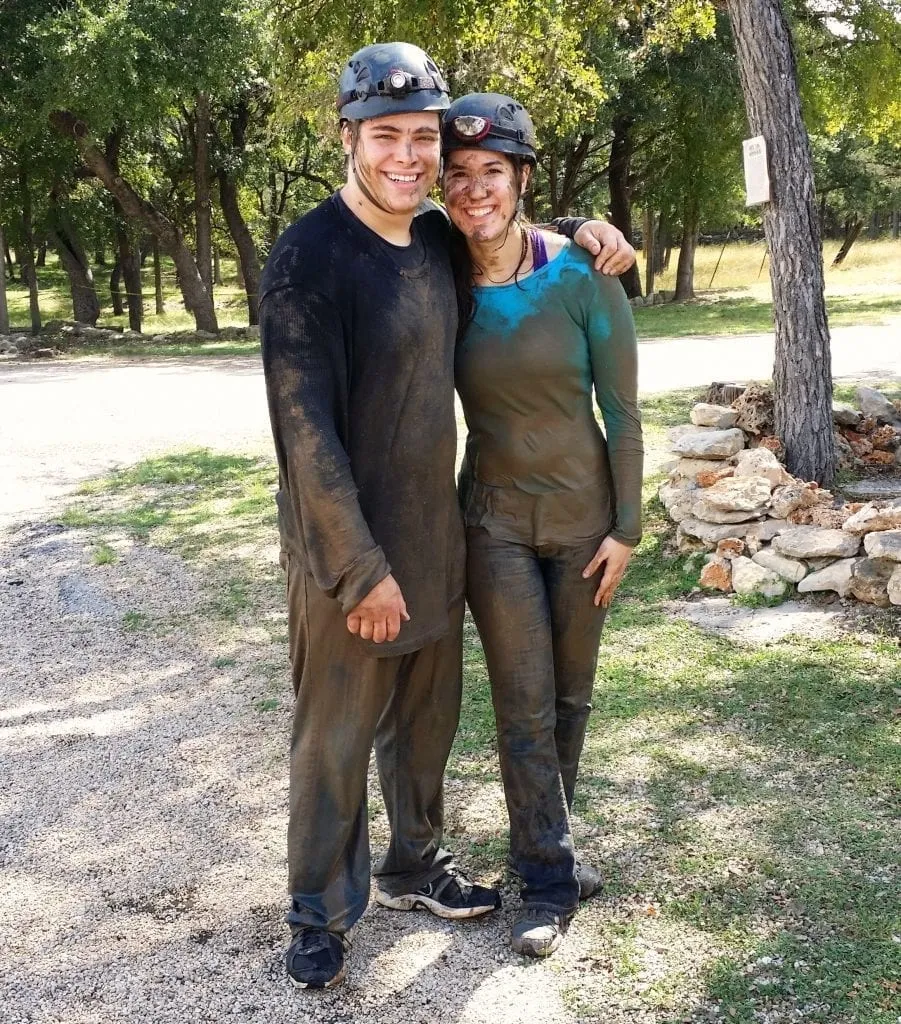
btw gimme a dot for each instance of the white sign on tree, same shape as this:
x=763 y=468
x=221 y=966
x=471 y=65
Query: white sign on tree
x=757 y=172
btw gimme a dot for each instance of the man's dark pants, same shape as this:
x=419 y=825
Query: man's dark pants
x=347 y=700
x=540 y=631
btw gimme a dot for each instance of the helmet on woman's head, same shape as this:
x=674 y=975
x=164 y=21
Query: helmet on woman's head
x=488 y=120
x=390 y=78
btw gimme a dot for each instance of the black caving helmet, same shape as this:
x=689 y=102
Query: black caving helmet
x=390 y=78
x=488 y=120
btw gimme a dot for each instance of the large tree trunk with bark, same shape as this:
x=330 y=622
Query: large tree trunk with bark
x=685 y=269
x=26 y=257
x=802 y=375
x=198 y=298
x=248 y=258
x=618 y=177
x=202 y=204
x=72 y=255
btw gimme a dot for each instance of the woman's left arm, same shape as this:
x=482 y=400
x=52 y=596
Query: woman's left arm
x=614 y=363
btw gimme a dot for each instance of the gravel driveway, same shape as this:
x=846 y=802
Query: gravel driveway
x=143 y=791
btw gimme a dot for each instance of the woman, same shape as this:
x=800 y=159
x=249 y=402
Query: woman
x=547 y=500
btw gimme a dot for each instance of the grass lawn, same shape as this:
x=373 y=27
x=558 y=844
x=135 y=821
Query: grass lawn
x=865 y=290
x=741 y=800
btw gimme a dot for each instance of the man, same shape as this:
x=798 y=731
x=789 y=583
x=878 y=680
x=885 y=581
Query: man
x=358 y=316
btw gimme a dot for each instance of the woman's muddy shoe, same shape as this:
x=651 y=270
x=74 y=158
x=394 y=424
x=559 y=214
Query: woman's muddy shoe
x=537 y=931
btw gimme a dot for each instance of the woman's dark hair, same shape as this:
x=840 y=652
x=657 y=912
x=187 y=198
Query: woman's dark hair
x=463 y=264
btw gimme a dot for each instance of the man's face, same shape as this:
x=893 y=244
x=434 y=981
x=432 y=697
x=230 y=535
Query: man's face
x=396 y=157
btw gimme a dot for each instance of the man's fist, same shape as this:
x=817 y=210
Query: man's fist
x=379 y=615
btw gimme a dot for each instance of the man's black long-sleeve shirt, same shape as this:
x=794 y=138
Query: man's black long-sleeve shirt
x=358 y=352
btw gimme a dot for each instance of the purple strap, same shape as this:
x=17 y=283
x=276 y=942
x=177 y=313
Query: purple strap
x=539 y=249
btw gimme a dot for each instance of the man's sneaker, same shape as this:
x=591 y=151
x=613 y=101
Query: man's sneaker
x=450 y=895
x=589 y=880
x=315 y=958
x=537 y=931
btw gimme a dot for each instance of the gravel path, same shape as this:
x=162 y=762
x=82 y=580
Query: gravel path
x=144 y=769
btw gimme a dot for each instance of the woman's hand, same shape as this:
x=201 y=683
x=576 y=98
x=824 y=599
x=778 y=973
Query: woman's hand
x=614 y=556
x=613 y=254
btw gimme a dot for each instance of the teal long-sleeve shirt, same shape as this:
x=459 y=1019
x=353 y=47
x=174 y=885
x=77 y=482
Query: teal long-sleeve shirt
x=538 y=468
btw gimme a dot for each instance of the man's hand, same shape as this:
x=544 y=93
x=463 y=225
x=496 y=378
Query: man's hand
x=614 y=556
x=379 y=615
x=613 y=253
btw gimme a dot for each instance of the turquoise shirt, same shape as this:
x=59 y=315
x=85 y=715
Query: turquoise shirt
x=538 y=468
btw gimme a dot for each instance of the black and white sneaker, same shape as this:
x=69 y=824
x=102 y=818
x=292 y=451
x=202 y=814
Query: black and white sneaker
x=315 y=958
x=450 y=895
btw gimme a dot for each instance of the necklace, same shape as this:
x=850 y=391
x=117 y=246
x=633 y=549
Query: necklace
x=523 y=252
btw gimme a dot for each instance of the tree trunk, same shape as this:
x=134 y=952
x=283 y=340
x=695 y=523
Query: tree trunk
x=26 y=257
x=248 y=259
x=100 y=255
x=72 y=255
x=157 y=276
x=618 y=176
x=802 y=375
x=661 y=243
x=685 y=269
x=896 y=225
x=853 y=227
x=115 y=287
x=4 y=307
x=42 y=255
x=130 y=263
x=217 y=268
x=202 y=205
x=649 y=249
x=198 y=298
x=273 y=229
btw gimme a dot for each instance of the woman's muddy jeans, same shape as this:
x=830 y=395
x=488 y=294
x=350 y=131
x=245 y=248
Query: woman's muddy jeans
x=541 y=631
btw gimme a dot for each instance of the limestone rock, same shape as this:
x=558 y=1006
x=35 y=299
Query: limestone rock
x=814 y=542
x=828 y=518
x=677 y=499
x=738 y=494
x=750 y=578
x=702 y=509
x=688 y=469
x=883 y=544
x=676 y=434
x=712 y=533
x=846 y=415
x=869 y=580
x=815 y=564
x=771 y=443
x=894 y=586
x=711 y=476
x=711 y=444
x=836 y=576
x=788 y=568
x=717 y=575
x=253 y=332
x=686 y=544
x=730 y=547
x=204 y=336
x=875 y=404
x=761 y=462
x=719 y=416
x=875 y=516
x=755 y=409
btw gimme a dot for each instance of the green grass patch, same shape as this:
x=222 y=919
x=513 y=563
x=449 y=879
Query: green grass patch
x=135 y=620
x=104 y=555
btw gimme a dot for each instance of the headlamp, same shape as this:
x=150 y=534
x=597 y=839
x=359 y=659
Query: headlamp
x=470 y=128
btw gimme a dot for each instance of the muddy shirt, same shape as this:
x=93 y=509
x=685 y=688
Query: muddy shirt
x=358 y=347
x=538 y=468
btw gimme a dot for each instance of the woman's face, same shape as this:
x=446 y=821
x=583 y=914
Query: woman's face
x=480 y=192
